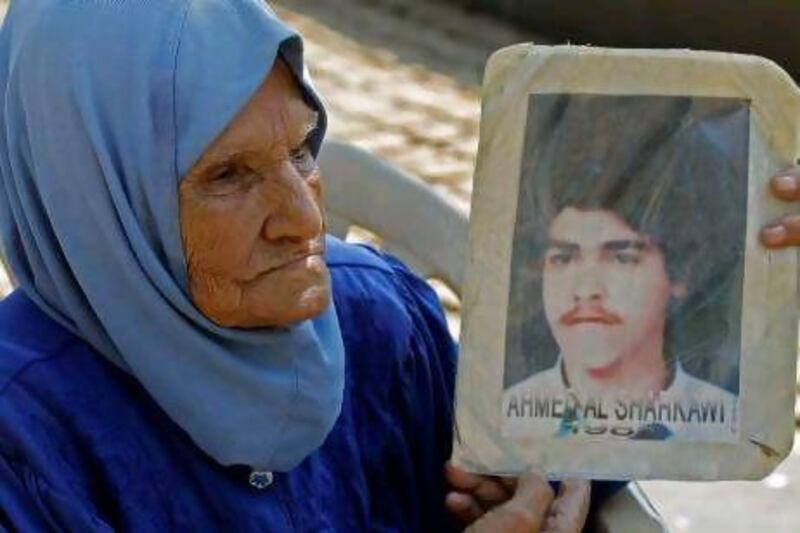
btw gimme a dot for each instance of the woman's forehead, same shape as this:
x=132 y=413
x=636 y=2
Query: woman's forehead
x=276 y=115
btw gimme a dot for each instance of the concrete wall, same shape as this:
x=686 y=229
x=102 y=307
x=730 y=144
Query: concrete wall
x=765 y=27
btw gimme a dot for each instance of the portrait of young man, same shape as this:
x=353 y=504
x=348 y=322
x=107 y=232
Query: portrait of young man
x=626 y=272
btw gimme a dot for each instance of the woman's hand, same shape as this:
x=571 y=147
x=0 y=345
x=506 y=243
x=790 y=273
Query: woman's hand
x=786 y=231
x=473 y=494
x=494 y=504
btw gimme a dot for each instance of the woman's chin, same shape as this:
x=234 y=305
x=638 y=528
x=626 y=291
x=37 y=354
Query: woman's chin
x=288 y=309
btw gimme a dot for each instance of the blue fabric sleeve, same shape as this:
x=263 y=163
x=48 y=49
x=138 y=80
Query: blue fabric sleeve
x=18 y=511
x=427 y=392
x=29 y=503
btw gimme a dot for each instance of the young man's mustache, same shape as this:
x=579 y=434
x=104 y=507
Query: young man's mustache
x=593 y=315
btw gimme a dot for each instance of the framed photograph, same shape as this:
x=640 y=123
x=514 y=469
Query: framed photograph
x=620 y=318
x=625 y=293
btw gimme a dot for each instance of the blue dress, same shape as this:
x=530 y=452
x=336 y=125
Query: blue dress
x=83 y=447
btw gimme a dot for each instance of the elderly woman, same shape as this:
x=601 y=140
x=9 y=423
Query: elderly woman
x=186 y=349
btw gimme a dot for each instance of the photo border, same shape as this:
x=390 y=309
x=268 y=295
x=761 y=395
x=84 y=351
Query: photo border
x=770 y=286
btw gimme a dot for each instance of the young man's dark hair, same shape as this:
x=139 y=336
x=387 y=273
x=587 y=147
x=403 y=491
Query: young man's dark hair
x=674 y=169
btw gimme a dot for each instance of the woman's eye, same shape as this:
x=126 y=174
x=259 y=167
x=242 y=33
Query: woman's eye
x=224 y=175
x=229 y=180
x=303 y=160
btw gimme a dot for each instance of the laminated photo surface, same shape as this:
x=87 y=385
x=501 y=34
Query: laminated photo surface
x=620 y=318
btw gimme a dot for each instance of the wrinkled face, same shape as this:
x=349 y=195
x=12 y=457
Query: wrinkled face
x=251 y=215
x=605 y=290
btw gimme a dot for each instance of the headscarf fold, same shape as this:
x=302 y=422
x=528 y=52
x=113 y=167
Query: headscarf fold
x=105 y=106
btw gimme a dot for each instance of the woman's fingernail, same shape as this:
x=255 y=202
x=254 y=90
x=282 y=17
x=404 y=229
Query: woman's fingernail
x=785 y=184
x=774 y=234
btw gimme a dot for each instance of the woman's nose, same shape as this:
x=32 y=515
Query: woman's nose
x=298 y=213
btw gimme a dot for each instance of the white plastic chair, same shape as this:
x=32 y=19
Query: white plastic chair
x=429 y=234
x=413 y=221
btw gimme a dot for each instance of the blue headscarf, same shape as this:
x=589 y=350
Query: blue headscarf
x=105 y=106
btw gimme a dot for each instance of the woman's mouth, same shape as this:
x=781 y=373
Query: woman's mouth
x=298 y=261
